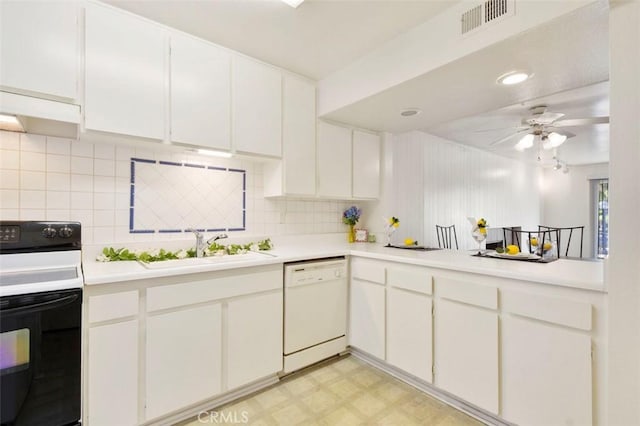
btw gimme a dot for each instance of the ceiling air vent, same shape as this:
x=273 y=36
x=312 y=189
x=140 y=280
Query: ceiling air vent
x=494 y=9
x=472 y=19
x=485 y=13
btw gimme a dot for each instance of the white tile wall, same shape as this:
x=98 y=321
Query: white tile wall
x=49 y=178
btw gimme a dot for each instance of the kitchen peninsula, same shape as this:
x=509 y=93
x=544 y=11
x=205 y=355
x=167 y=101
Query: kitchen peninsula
x=503 y=340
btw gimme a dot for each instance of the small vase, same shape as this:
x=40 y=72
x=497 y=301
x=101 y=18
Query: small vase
x=351 y=236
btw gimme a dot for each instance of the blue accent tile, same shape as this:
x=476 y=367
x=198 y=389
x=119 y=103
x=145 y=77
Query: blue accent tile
x=216 y=230
x=237 y=170
x=170 y=163
x=143 y=160
x=169 y=231
x=142 y=231
x=235 y=229
x=197 y=166
x=133 y=171
x=133 y=192
x=131 y=219
x=244 y=182
x=244 y=218
x=217 y=168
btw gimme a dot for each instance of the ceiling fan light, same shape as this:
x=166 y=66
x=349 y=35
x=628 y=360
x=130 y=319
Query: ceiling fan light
x=556 y=139
x=526 y=142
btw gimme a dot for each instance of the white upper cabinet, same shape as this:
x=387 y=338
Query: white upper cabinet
x=39 y=45
x=334 y=161
x=296 y=173
x=256 y=107
x=366 y=165
x=125 y=73
x=200 y=93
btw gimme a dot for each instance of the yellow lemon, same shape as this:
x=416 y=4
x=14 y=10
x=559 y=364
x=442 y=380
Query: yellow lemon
x=546 y=246
x=408 y=242
x=395 y=225
x=512 y=249
x=534 y=241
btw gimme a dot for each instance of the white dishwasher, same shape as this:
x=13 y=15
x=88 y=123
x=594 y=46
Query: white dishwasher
x=315 y=311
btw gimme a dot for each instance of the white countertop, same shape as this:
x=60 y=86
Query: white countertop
x=582 y=274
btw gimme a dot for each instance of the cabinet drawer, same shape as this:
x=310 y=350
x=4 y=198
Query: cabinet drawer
x=112 y=306
x=565 y=312
x=216 y=286
x=466 y=292
x=410 y=277
x=368 y=270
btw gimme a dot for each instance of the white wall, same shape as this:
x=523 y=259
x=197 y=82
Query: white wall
x=566 y=201
x=622 y=274
x=436 y=181
x=49 y=178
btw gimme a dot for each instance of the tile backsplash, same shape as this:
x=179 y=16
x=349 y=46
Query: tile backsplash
x=165 y=195
x=50 y=178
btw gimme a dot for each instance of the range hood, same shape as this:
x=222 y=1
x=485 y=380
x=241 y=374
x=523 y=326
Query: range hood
x=41 y=116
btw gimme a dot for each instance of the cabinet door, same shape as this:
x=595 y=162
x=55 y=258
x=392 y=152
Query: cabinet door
x=366 y=165
x=254 y=338
x=257 y=108
x=410 y=332
x=466 y=353
x=113 y=374
x=367 y=317
x=183 y=358
x=546 y=374
x=125 y=72
x=334 y=161
x=200 y=93
x=299 y=137
x=39 y=45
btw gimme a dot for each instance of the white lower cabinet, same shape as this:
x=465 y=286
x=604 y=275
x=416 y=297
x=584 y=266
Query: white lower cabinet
x=367 y=317
x=466 y=353
x=409 y=332
x=113 y=374
x=184 y=358
x=254 y=338
x=547 y=374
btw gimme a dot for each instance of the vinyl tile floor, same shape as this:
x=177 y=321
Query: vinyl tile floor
x=344 y=391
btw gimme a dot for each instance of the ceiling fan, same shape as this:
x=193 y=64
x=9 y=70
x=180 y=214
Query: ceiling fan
x=545 y=127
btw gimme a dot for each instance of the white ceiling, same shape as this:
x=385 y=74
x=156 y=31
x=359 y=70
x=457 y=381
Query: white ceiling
x=317 y=38
x=456 y=100
x=462 y=97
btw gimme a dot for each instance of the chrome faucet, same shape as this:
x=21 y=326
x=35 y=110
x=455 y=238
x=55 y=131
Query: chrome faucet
x=200 y=244
x=216 y=238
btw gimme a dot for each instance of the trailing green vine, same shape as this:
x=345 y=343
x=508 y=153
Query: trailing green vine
x=110 y=254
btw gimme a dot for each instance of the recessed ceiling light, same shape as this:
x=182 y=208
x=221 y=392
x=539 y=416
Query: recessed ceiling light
x=409 y=112
x=293 y=3
x=513 y=77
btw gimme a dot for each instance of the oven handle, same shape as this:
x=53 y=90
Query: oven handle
x=51 y=304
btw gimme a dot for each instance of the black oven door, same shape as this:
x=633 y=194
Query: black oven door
x=40 y=350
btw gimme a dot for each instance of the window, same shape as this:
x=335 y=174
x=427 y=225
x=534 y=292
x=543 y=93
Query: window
x=600 y=191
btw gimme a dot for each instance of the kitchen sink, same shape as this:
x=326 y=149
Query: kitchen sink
x=210 y=260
